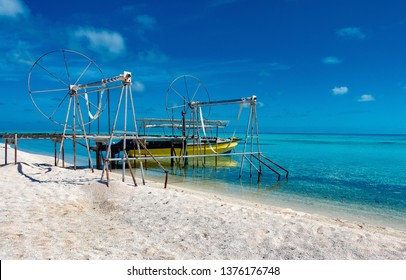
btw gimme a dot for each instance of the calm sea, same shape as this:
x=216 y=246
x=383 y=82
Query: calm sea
x=355 y=177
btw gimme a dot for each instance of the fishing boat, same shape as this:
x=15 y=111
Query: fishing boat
x=184 y=138
x=171 y=143
x=167 y=146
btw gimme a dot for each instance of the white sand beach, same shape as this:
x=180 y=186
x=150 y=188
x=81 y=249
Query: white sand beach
x=50 y=212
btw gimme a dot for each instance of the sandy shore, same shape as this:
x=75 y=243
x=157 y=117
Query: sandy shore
x=49 y=212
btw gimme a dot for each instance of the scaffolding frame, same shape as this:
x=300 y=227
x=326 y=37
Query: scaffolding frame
x=126 y=96
x=252 y=148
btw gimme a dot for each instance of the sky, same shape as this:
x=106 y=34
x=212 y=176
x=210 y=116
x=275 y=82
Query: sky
x=315 y=66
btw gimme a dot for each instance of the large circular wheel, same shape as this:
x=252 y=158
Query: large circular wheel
x=181 y=95
x=53 y=87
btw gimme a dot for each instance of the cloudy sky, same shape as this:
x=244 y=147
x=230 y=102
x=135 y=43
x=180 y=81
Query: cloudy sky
x=335 y=66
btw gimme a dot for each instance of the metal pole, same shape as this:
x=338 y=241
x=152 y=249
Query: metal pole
x=84 y=134
x=115 y=122
x=63 y=134
x=125 y=133
x=136 y=134
x=74 y=134
x=257 y=135
x=108 y=109
x=90 y=131
x=184 y=144
x=194 y=137
x=74 y=149
x=98 y=119
x=173 y=124
x=252 y=137
x=245 y=142
x=107 y=171
x=217 y=144
x=108 y=152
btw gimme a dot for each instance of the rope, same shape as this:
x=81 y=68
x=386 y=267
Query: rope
x=236 y=125
x=238 y=118
x=98 y=105
x=204 y=130
x=235 y=129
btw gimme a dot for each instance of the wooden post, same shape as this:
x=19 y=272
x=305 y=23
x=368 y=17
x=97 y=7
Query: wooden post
x=172 y=153
x=98 y=156
x=5 y=151
x=166 y=179
x=185 y=159
x=63 y=155
x=15 y=148
x=130 y=168
x=204 y=152
x=54 y=140
x=106 y=162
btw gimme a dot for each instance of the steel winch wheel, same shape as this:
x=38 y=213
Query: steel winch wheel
x=53 y=81
x=181 y=95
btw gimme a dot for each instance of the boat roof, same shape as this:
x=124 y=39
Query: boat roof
x=177 y=123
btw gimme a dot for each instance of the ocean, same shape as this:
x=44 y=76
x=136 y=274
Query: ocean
x=354 y=177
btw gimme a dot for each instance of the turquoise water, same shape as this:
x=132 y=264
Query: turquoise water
x=360 y=175
x=356 y=177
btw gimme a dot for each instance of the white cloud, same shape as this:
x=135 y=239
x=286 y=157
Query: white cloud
x=339 y=90
x=21 y=56
x=13 y=9
x=101 y=41
x=351 y=32
x=366 y=98
x=16 y=62
x=138 y=86
x=153 y=56
x=146 y=21
x=331 y=60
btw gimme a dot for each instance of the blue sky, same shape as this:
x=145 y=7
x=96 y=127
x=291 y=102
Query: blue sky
x=315 y=66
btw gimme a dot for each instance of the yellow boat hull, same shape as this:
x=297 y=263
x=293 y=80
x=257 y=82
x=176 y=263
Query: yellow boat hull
x=202 y=149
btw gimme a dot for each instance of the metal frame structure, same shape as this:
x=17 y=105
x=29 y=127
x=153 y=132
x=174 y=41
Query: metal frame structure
x=63 y=90
x=251 y=151
x=251 y=136
x=73 y=93
x=126 y=95
x=77 y=112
